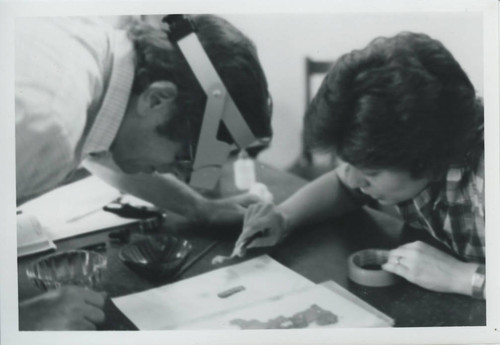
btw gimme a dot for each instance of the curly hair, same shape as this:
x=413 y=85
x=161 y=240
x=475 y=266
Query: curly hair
x=235 y=59
x=400 y=103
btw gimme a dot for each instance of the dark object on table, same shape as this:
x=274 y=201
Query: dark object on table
x=96 y=247
x=230 y=292
x=120 y=235
x=125 y=210
x=123 y=233
x=73 y=267
x=156 y=257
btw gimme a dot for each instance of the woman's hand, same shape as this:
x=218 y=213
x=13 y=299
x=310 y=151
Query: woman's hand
x=262 y=217
x=430 y=268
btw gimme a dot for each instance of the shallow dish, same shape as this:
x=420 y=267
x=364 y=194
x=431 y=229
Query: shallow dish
x=156 y=257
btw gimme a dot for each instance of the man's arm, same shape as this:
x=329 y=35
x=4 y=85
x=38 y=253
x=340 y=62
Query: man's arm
x=167 y=192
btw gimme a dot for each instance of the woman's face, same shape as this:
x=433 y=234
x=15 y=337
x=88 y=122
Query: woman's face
x=388 y=186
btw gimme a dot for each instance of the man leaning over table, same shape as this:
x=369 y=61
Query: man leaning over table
x=128 y=101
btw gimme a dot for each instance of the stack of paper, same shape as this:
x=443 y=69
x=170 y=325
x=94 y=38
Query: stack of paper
x=31 y=238
x=259 y=293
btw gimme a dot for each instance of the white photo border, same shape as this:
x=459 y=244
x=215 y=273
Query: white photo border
x=9 y=10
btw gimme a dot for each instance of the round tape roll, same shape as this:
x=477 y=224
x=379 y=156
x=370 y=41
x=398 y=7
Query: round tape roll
x=365 y=268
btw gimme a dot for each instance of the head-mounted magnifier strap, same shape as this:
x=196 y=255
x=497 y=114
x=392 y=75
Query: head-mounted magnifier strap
x=210 y=153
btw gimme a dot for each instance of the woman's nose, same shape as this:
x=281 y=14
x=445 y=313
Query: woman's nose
x=363 y=183
x=360 y=180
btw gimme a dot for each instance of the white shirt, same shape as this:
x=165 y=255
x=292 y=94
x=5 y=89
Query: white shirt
x=72 y=84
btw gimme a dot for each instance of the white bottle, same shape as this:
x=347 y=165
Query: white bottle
x=244 y=171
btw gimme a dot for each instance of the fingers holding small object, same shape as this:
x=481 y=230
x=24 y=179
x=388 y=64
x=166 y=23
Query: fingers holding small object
x=239 y=251
x=248 y=239
x=248 y=232
x=258 y=239
x=240 y=248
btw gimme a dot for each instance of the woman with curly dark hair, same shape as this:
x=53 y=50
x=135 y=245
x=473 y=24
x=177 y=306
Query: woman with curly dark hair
x=405 y=120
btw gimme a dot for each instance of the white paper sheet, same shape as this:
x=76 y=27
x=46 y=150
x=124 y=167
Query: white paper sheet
x=172 y=306
x=270 y=291
x=31 y=238
x=76 y=208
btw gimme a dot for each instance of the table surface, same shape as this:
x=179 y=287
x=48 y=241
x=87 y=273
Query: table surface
x=319 y=253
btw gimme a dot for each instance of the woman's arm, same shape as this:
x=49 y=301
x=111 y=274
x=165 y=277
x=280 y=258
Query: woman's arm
x=322 y=199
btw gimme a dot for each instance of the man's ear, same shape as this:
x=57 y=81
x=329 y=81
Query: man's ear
x=158 y=96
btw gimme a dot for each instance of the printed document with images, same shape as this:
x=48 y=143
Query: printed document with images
x=257 y=294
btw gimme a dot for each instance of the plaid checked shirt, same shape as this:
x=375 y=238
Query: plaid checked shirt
x=452 y=211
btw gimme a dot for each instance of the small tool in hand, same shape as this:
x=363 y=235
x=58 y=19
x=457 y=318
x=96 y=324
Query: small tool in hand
x=240 y=249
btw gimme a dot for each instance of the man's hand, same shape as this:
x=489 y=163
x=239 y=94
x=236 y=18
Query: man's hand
x=430 y=268
x=259 y=218
x=228 y=211
x=67 y=308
